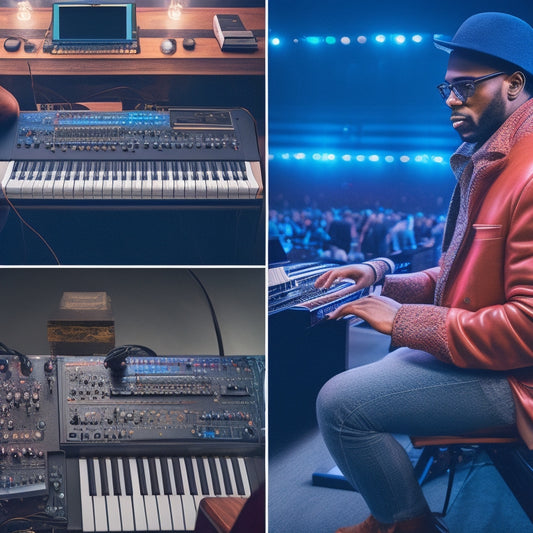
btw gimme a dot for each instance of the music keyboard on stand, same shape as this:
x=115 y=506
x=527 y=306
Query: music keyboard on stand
x=132 y=451
x=180 y=155
x=182 y=186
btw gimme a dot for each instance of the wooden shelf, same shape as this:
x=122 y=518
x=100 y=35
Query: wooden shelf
x=154 y=24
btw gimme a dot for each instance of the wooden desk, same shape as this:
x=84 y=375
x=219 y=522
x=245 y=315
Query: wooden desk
x=155 y=25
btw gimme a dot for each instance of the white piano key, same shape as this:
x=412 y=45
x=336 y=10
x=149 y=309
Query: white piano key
x=112 y=504
x=220 y=477
x=150 y=501
x=99 y=503
x=176 y=503
x=231 y=475
x=252 y=179
x=125 y=501
x=190 y=502
x=163 y=504
x=87 y=512
x=244 y=476
x=199 y=496
x=139 y=511
x=207 y=468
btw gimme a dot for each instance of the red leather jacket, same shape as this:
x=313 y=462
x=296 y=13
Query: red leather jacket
x=485 y=316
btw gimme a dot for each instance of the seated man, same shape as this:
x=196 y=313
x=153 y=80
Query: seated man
x=464 y=329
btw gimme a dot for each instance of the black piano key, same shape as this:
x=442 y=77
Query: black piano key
x=242 y=167
x=165 y=474
x=92 y=480
x=225 y=476
x=153 y=476
x=201 y=474
x=127 y=476
x=115 y=476
x=238 y=477
x=103 y=476
x=190 y=476
x=177 y=475
x=142 y=478
x=214 y=475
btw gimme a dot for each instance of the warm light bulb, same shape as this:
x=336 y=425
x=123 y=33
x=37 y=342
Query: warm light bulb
x=24 y=10
x=174 y=10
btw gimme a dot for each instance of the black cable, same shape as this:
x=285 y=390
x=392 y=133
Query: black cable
x=26 y=367
x=213 y=314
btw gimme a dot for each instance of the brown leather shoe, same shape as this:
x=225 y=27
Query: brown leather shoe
x=427 y=523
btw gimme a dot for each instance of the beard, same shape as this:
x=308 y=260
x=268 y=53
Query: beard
x=479 y=129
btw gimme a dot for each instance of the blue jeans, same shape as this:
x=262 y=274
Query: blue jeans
x=411 y=393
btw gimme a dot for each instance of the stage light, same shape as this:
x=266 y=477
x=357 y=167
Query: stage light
x=405 y=159
x=361 y=39
x=316 y=157
x=313 y=40
x=24 y=10
x=389 y=158
x=374 y=158
x=330 y=39
x=438 y=159
x=275 y=41
x=330 y=157
x=345 y=40
x=416 y=38
x=360 y=158
x=299 y=156
x=285 y=156
x=347 y=158
x=380 y=38
x=174 y=10
x=400 y=39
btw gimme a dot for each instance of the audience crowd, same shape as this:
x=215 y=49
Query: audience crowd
x=347 y=235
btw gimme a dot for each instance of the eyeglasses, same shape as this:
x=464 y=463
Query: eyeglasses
x=463 y=89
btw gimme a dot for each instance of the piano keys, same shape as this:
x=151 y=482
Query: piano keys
x=189 y=176
x=131 y=180
x=183 y=154
x=146 y=493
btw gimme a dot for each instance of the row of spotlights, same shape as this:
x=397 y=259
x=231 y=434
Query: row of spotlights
x=360 y=39
x=360 y=158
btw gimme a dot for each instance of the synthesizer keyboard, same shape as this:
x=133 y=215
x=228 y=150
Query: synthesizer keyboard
x=182 y=155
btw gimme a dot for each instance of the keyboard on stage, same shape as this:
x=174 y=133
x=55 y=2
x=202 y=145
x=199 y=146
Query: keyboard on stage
x=98 y=450
x=292 y=289
x=178 y=155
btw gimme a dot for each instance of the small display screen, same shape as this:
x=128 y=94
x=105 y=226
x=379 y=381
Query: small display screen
x=96 y=22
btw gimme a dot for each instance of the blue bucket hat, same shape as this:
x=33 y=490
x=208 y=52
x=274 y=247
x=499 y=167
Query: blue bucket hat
x=497 y=35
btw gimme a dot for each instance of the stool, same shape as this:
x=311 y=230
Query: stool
x=232 y=514
x=491 y=443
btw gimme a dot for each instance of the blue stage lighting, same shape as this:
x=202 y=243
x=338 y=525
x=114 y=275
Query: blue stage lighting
x=275 y=41
x=380 y=38
x=400 y=39
x=361 y=39
x=313 y=40
x=345 y=40
x=330 y=40
x=416 y=38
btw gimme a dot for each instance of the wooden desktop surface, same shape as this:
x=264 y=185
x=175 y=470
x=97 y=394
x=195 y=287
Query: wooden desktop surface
x=155 y=25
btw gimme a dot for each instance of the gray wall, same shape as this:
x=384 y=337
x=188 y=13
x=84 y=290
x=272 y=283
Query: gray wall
x=162 y=308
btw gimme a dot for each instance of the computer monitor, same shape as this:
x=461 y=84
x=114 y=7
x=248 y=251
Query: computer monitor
x=93 y=22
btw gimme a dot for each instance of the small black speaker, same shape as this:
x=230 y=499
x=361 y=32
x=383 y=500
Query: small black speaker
x=11 y=44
